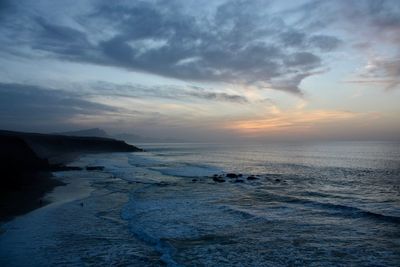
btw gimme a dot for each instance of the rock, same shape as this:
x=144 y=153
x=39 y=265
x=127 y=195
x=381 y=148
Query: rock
x=231 y=175
x=17 y=155
x=252 y=177
x=94 y=168
x=218 y=180
x=61 y=167
x=239 y=181
x=277 y=180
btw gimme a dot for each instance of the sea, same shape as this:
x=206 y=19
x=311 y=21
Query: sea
x=305 y=204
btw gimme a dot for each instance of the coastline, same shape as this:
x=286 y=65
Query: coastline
x=29 y=161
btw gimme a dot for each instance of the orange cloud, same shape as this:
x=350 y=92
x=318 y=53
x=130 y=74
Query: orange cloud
x=300 y=120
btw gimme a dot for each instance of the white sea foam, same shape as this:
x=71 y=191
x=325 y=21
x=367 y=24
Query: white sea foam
x=188 y=170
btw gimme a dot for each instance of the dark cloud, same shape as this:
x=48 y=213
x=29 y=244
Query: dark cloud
x=304 y=59
x=381 y=14
x=232 y=46
x=325 y=42
x=178 y=93
x=237 y=42
x=218 y=96
x=6 y=6
x=50 y=37
x=293 y=38
x=36 y=107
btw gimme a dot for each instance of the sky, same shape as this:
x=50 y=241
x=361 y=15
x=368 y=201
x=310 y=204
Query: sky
x=200 y=70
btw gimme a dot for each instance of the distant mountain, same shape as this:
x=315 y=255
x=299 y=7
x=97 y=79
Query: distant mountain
x=128 y=137
x=94 y=132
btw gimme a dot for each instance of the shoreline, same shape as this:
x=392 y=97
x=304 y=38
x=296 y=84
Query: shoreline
x=28 y=197
x=82 y=225
x=29 y=161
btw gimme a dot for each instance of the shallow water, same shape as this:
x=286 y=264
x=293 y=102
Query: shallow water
x=312 y=204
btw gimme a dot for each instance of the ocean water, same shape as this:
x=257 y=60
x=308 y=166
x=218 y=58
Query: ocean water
x=312 y=204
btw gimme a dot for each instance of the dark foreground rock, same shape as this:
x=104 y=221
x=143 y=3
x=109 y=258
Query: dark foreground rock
x=61 y=167
x=24 y=178
x=16 y=160
x=94 y=168
x=218 y=179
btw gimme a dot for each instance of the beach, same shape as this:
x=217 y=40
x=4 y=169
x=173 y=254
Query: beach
x=27 y=161
x=80 y=225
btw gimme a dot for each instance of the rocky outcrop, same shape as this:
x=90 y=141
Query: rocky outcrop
x=239 y=178
x=14 y=151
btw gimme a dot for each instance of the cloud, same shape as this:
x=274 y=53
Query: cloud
x=35 y=107
x=293 y=38
x=380 y=71
x=381 y=14
x=233 y=42
x=177 y=93
x=236 y=41
x=372 y=28
x=4 y=4
x=296 y=121
x=325 y=42
x=218 y=96
x=50 y=37
x=378 y=20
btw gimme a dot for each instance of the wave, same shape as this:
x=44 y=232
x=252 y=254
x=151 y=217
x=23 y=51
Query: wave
x=188 y=170
x=333 y=209
x=141 y=161
x=356 y=212
x=161 y=245
x=318 y=194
